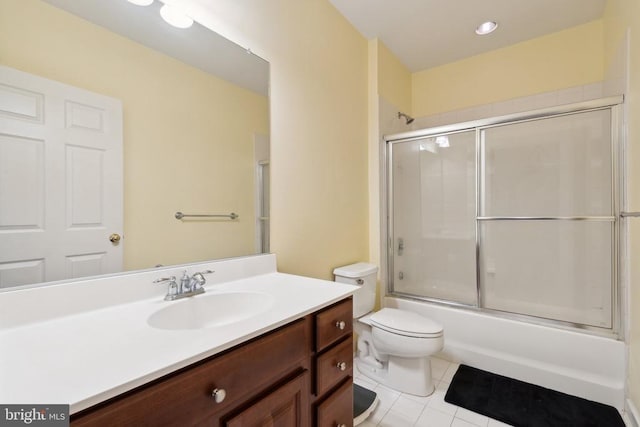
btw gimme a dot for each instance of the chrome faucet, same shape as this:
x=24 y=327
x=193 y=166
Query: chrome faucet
x=188 y=286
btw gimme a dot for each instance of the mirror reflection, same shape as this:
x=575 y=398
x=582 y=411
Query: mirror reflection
x=111 y=121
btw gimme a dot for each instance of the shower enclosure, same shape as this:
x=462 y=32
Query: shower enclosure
x=515 y=215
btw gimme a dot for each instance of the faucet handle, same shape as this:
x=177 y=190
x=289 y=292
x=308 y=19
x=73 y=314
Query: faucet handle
x=198 y=280
x=173 y=286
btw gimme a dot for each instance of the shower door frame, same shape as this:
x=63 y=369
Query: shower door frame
x=618 y=201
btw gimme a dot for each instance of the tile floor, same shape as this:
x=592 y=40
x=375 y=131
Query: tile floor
x=397 y=409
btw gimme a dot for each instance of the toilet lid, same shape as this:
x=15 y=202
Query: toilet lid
x=406 y=323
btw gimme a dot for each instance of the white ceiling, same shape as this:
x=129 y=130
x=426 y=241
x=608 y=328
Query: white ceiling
x=427 y=33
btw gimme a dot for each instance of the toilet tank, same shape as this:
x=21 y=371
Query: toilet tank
x=363 y=275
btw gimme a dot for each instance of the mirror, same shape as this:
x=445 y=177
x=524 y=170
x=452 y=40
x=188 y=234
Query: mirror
x=194 y=126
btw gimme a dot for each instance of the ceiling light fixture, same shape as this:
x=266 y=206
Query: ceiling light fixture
x=175 y=16
x=486 y=28
x=141 y=2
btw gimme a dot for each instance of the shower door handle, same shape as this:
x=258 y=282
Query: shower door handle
x=400 y=246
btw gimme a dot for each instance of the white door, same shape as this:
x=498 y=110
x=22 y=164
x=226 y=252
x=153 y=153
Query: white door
x=60 y=180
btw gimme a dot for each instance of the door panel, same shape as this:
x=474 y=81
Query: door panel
x=433 y=198
x=85 y=174
x=21 y=103
x=21 y=206
x=559 y=166
x=85 y=265
x=60 y=180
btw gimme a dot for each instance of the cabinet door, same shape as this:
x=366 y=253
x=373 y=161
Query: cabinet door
x=287 y=406
x=337 y=409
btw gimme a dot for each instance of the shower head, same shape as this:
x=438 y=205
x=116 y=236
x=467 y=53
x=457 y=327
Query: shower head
x=407 y=117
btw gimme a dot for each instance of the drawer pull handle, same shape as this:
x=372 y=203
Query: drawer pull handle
x=341 y=325
x=341 y=425
x=218 y=394
x=342 y=366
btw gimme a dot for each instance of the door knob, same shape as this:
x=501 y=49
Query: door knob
x=114 y=238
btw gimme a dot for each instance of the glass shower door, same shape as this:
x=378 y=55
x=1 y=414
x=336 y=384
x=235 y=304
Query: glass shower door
x=547 y=218
x=514 y=214
x=433 y=209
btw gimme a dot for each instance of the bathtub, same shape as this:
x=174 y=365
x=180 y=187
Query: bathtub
x=575 y=363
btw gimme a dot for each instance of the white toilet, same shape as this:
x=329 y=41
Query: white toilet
x=393 y=345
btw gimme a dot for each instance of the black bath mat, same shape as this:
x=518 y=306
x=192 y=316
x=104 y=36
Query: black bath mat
x=525 y=405
x=363 y=400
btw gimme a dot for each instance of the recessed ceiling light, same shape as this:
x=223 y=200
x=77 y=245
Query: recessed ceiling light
x=175 y=16
x=486 y=28
x=141 y=2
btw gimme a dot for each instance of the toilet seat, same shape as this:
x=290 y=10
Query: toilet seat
x=405 y=323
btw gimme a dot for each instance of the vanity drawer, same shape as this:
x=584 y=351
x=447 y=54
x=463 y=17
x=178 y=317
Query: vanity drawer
x=333 y=324
x=337 y=409
x=334 y=366
x=184 y=398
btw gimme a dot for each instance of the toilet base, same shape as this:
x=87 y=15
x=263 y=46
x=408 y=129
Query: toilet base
x=407 y=375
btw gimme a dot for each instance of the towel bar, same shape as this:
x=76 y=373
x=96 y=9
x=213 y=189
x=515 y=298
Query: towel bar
x=180 y=215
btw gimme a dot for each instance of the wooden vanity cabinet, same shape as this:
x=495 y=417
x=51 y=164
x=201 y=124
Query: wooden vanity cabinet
x=290 y=377
x=333 y=366
x=247 y=373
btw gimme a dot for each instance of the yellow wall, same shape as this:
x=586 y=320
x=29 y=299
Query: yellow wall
x=373 y=98
x=390 y=80
x=394 y=79
x=572 y=57
x=620 y=15
x=319 y=200
x=200 y=161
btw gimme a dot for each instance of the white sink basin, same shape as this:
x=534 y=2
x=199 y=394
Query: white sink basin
x=211 y=310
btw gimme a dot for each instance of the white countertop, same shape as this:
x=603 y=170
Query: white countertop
x=89 y=356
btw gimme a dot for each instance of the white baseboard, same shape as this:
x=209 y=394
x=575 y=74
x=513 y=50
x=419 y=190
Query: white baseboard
x=631 y=414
